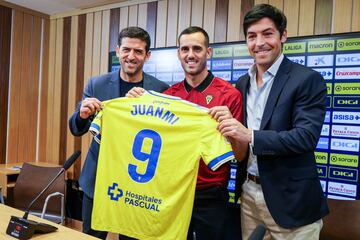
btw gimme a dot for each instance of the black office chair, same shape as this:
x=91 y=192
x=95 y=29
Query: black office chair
x=342 y=221
x=30 y=182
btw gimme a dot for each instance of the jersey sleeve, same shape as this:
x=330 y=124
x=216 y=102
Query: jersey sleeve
x=95 y=127
x=215 y=149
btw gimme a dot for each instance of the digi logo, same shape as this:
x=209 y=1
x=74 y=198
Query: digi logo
x=345 y=145
x=114 y=192
x=343 y=174
x=347 y=59
x=346 y=102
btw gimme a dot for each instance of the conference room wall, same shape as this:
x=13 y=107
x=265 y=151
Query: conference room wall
x=74 y=46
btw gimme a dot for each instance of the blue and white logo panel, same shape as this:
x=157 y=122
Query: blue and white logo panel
x=297 y=59
x=325 y=131
x=243 y=63
x=323 y=143
x=348 y=59
x=226 y=75
x=326 y=73
x=345 y=131
x=221 y=65
x=347 y=73
x=346 y=117
x=344 y=145
x=320 y=61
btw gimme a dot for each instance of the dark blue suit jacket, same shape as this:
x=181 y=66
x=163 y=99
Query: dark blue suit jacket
x=102 y=87
x=285 y=144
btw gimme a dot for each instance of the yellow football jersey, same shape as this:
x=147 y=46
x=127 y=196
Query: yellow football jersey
x=150 y=149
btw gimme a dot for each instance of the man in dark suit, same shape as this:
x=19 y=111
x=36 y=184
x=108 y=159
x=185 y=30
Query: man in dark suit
x=285 y=108
x=132 y=51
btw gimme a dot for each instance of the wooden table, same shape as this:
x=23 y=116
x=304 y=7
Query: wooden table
x=62 y=233
x=9 y=174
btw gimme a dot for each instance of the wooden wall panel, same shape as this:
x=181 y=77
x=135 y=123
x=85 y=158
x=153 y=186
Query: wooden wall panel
x=209 y=18
x=82 y=26
x=124 y=18
x=233 y=24
x=70 y=140
x=291 y=10
x=5 y=40
x=56 y=113
x=261 y=1
x=197 y=13
x=142 y=15
x=221 y=19
x=355 y=22
x=96 y=49
x=277 y=3
x=64 y=97
x=114 y=28
x=184 y=15
x=88 y=73
x=342 y=18
x=306 y=17
x=245 y=7
x=151 y=22
x=323 y=15
x=50 y=99
x=104 y=50
x=133 y=16
x=15 y=85
x=42 y=147
x=161 y=20
x=172 y=23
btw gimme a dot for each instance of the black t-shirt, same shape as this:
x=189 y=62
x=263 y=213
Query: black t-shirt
x=127 y=86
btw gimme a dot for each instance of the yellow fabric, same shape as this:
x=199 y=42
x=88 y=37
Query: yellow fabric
x=150 y=149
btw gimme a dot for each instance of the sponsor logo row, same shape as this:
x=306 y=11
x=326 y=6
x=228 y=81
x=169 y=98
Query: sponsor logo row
x=342 y=117
x=345 y=160
x=343 y=102
x=349 y=145
x=347 y=191
x=346 y=174
x=340 y=131
x=240 y=50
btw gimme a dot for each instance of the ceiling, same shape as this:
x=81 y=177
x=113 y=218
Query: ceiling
x=51 y=7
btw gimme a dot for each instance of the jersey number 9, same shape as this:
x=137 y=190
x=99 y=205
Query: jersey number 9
x=151 y=158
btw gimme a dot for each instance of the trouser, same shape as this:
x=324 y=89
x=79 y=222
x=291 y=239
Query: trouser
x=254 y=212
x=210 y=217
x=86 y=217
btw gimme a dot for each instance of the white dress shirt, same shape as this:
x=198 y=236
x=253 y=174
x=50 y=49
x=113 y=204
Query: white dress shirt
x=256 y=100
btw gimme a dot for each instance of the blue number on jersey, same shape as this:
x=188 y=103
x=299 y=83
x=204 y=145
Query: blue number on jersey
x=151 y=157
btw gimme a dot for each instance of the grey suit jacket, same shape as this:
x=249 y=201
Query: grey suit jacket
x=102 y=87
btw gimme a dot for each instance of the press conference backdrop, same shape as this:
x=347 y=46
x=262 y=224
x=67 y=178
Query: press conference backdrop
x=337 y=58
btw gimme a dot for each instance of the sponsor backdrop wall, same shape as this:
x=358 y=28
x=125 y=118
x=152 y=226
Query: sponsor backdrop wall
x=337 y=58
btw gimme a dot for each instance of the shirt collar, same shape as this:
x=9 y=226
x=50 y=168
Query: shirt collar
x=272 y=70
x=202 y=86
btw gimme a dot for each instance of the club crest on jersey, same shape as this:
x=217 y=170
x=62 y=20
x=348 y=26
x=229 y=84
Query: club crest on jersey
x=209 y=98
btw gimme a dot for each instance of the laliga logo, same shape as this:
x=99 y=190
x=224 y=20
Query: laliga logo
x=114 y=192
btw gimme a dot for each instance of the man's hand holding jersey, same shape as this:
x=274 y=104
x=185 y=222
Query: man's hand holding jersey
x=89 y=106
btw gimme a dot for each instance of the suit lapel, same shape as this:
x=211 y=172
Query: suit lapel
x=114 y=85
x=278 y=84
x=244 y=88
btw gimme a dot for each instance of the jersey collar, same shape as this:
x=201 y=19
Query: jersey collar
x=202 y=86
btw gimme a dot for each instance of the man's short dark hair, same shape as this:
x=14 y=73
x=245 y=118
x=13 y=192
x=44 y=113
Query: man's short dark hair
x=195 y=29
x=135 y=32
x=265 y=11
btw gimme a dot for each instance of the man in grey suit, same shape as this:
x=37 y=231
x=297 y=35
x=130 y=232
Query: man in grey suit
x=132 y=51
x=284 y=111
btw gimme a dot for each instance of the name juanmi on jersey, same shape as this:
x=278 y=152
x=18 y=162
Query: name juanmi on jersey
x=154 y=111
